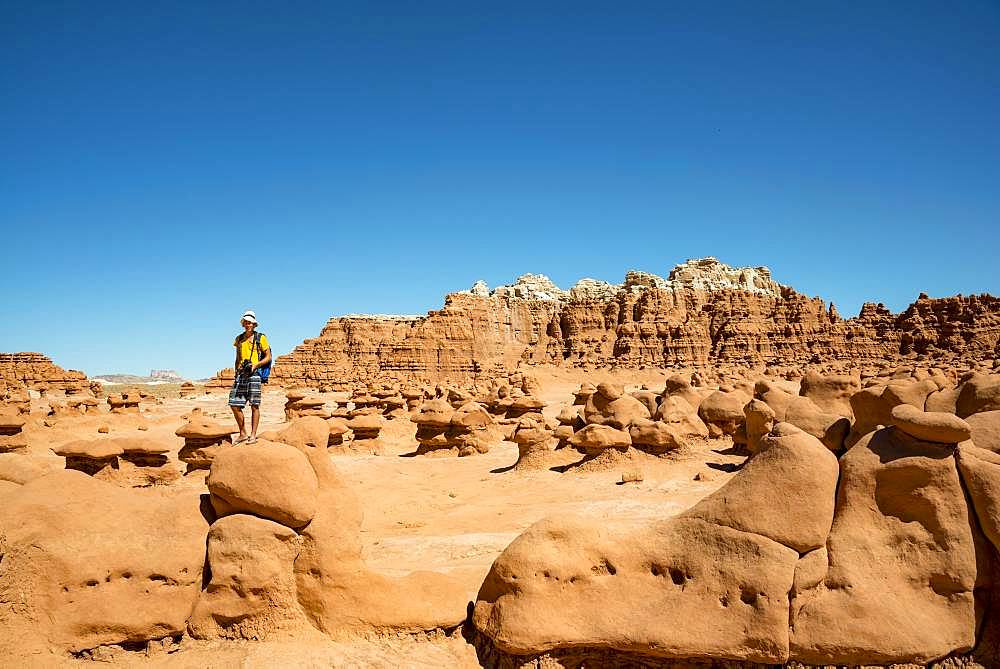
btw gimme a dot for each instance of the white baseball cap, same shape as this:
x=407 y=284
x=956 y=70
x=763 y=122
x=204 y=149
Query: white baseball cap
x=249 y=316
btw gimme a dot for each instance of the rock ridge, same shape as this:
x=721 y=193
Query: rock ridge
x=704 y=313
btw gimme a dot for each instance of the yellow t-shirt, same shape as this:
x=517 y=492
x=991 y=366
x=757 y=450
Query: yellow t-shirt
x=248 y=351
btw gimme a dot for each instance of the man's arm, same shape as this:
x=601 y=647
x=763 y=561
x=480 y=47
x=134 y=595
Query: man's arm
x=236 y=365
x=265 y=361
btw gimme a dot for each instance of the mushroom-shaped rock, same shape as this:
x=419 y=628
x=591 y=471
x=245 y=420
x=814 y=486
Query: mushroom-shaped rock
x=366 y=427
x=338 y=428
x=524 y=404
x=393 y=406
x=203 y=440
x=679 y=385
x=299 y=406
x=435 y=413
x=11 y=425
x=412 y=393
x=595 y=438
x=472 y=429
x=295 y=394
x=203 y=428
x=143 y=462
x=654 y=436
x=90 y=457
x=11 y=437
x=124 y=403
x=471 y=416
x=941 y=428
x=610 y=406
x=271 y=480
x=534 y=443
x=676 y=411
x=581 y=396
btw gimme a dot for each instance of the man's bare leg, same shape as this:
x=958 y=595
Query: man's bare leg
x=238 y=414
x=254 y=420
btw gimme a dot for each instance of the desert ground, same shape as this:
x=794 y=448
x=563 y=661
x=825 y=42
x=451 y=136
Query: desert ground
x=425 y=512
x=445 y=514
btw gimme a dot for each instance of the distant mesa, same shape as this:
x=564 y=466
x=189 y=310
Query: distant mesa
x=156 y=377
x=703 y=313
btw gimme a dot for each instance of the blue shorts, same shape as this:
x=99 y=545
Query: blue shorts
x=245 y=390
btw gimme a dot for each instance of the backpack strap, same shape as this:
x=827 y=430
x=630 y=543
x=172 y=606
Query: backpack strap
x=254 y=347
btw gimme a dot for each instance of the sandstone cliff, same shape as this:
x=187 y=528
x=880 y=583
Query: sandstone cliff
x=703 y=313
x=35 y=371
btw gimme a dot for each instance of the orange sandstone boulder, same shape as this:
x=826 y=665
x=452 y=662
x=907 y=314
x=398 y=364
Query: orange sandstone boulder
x=252 y=591
x=901 y=551
x=985 y=427
x=270 y=480
x=692 y=586
x=830 y=392
x=786 y=492
x=723 y=412
x=610 y=406
x=979 y=393
x=944 y=428
x=96 y=564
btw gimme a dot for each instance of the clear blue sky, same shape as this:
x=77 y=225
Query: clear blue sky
x=167 y=165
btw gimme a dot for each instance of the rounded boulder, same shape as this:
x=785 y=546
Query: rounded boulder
x=933 y=426
x=269 y=480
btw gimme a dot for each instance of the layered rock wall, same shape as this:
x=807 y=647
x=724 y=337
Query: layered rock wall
x=35 y=371
x=705 y=313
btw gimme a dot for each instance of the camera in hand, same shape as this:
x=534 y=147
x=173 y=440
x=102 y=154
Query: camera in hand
x=246 y=369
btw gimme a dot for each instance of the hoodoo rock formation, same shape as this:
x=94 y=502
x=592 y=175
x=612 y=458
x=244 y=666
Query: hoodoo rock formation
x=704 y=313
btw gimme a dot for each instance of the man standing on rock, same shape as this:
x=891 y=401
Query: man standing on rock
x=252 y=353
